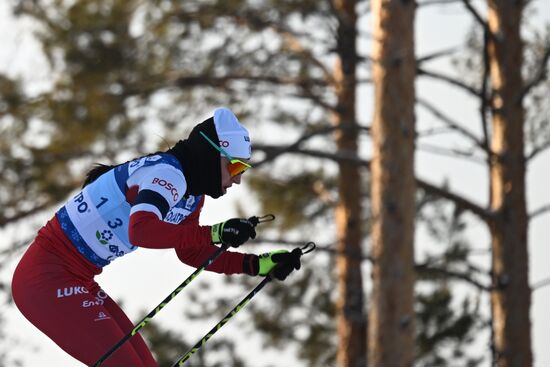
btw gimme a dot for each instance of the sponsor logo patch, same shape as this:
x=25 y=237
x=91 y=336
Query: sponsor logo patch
x=98 y=301
x=168 y=186
x=70 y=291
x=101 y=316
x=104 y=236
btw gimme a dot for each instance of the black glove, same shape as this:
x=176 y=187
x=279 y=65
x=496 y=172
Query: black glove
x=279 y=263
x=233 y=232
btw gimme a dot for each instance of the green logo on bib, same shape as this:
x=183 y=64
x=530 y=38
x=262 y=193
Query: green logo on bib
x=104 y=236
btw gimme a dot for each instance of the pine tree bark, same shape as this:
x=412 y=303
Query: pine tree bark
x=351 y=318
x=391 y=317
x=511 y=297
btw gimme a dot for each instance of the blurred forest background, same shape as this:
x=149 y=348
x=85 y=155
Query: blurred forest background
x=342 y=107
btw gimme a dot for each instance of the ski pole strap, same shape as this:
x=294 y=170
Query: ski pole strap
x=157 y=309
x=308 y=247
x=265 y=218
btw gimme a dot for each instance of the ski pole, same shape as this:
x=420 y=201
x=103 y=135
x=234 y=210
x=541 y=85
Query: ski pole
x=150 y=315
x=308 y=247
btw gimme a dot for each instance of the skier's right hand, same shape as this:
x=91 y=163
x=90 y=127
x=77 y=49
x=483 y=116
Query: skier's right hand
x=233 y=232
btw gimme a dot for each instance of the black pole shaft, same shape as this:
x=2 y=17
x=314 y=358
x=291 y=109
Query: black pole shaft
x=307 y=248
x=219 y=325
x=157 y=309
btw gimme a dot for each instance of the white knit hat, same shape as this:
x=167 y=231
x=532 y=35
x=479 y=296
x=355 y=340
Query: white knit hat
x=234 y=138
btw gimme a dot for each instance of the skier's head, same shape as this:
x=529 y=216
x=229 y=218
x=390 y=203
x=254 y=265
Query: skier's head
x=233 y=137
x=214 y=155
x=233 y=146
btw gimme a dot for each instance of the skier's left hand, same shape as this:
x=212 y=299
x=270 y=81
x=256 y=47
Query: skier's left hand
x=280 y=263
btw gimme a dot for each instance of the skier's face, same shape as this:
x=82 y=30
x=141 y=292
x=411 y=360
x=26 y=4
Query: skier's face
x=227 y=180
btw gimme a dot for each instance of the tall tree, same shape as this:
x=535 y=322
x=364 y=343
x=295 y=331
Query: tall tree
x=494 y=77
x=391 y=317
x=511 y=295
x=351 y=319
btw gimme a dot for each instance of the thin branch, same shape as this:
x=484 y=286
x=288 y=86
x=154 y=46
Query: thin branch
x=450 y=80
x=476 y=14
x=423 y=268
x=484 y=105
x=451 y=123
x=436 y=2
x=208 y=79
x=7 y=220
x=538 y=150
x=458 y=200
x=306 y=137
x=453 y=153
x=308 y=94
x=440 y=130
x=188 y=81
x=540 y=211
x=540 y=284
x=435 y=55
x=273 y=151
x=539 y=76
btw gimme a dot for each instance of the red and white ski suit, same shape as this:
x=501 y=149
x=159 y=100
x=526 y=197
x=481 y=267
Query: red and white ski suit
x=53 y=285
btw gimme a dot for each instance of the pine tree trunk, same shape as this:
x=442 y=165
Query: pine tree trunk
x=391 y=317
x=351 y=318
x=511 y=298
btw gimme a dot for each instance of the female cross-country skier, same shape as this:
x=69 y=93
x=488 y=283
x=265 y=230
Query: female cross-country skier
x=153 y=202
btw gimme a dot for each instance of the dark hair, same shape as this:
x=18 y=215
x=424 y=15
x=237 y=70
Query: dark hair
x=95 y=172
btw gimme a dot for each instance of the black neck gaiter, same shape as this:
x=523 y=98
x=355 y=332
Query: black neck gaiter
x=200 y=161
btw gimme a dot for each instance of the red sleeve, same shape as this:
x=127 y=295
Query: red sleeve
x=147 y=230
x=192 y=242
